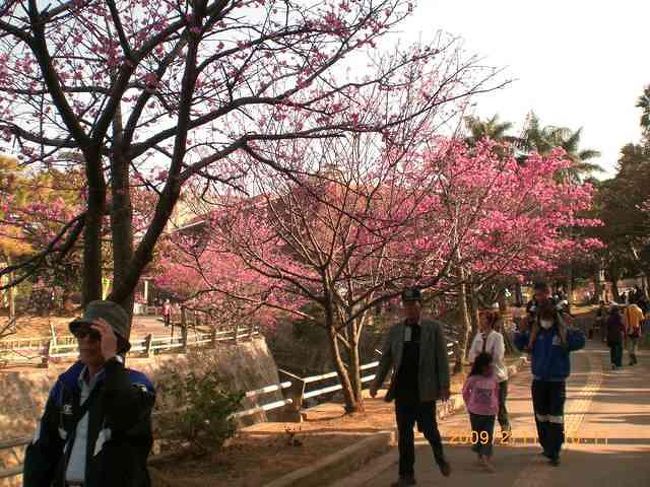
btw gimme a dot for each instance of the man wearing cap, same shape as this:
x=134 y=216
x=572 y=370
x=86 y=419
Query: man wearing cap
x=96 y=428
x=416 y=350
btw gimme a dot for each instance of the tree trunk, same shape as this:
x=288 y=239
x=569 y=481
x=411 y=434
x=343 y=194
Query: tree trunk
x=569 y=287
x=615 y=294
x=473 y=309
x=466 y=324
x=351 y=403
x=91 y=287
x=121 y=215
x=354 y=369
x=11 y=294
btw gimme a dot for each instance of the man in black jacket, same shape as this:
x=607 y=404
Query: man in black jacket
x=96 y=428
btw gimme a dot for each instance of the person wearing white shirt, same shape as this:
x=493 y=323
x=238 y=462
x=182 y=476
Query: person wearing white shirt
x=491 y=341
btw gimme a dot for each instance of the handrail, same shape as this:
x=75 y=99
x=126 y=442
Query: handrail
x=40 y=350
x=267 y=389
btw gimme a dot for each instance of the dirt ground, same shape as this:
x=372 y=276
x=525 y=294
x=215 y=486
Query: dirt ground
x=265 y=451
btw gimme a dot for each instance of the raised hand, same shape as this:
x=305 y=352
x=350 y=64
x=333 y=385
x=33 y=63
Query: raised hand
x=108 y=338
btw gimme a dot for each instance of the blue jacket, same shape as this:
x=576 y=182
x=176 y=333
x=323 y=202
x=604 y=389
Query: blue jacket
x=550 y=360
x=119 y=430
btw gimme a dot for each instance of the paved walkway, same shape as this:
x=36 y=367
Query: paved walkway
x=607 y=425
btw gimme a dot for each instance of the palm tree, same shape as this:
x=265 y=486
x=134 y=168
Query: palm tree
x=644 y=104
x=491 y=128
x=543 y=139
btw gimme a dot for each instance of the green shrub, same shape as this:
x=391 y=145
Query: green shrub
x=201 y=416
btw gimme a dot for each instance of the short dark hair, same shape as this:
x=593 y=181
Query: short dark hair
x=541 y=286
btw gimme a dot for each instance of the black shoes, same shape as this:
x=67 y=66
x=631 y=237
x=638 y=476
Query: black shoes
x=553 y=459
x=404 y=481
x=445 y=468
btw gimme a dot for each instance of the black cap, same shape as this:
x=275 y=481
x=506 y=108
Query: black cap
x=110 y=312
x=411 y=294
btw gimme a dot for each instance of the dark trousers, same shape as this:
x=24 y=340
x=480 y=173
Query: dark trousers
x=424 y=414
x=482 y=433
x=633 y=347
x=548 y=404
x=504 y=422
x=616 y=353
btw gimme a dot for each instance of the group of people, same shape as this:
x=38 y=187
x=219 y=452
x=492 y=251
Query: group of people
x=622 y=325
x=415 y=351
x=96 y=428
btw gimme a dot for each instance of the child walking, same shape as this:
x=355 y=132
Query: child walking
x=481 y=396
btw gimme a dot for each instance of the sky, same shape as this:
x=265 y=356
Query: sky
x=575 y=63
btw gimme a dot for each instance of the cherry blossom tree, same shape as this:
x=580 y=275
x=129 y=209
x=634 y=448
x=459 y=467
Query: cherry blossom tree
x=169 y=91
x=382 y=214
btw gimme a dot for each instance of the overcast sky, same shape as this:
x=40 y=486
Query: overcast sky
x=576 y=63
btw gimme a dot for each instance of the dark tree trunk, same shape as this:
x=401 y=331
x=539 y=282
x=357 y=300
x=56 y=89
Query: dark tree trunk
x=466 y=322
x=121 y=215
x=91 y=287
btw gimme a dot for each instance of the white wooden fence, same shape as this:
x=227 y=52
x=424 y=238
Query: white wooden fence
x=42 y=351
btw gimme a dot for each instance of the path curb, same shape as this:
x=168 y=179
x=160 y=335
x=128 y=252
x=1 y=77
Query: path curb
x=338 y=464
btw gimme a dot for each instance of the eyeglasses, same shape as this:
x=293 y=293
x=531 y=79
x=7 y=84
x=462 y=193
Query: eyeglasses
x=84 y=332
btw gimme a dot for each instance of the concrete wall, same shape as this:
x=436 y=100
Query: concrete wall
x=245 y=366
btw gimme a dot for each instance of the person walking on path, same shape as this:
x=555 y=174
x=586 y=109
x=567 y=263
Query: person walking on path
x=416 y=351
x=615 y=337
x=549 y=342
x=491 y=341
x=601 y=320
x=633 y=318
x=96 y=428
x=481 y=396
x=167 y=312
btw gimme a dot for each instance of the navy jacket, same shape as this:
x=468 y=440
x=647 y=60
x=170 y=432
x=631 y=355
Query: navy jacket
x=549 y=359
x=119 y=430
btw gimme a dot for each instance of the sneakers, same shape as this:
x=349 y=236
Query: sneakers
x=404 y=481
x=554 y=461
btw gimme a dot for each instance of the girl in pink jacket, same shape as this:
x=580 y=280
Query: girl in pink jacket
x=481 y=395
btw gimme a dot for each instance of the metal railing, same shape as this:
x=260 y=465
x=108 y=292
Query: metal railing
x=293 y=392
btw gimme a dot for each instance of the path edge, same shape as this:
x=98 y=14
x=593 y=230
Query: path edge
x=338 y=464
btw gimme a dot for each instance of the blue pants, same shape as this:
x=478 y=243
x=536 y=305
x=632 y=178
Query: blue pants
x=424 y=414
x=548 y=404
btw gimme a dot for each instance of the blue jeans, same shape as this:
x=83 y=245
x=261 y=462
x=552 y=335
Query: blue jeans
x=424 y=414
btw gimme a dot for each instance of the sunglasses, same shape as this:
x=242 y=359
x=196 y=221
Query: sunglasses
x=86 y=331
